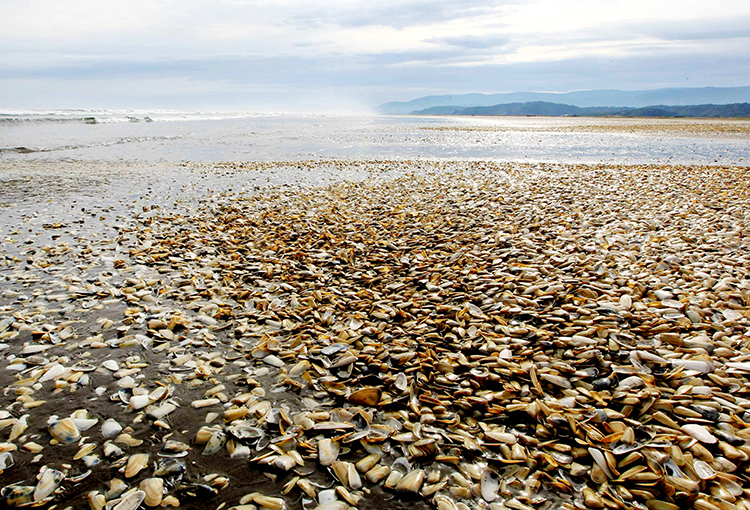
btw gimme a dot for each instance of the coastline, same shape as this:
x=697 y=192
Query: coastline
x=542 y=316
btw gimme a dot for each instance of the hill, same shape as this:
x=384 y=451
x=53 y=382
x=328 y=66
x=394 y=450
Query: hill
x=583 y=98
x=546 y=109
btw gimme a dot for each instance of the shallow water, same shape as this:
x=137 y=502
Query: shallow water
x=207 y=138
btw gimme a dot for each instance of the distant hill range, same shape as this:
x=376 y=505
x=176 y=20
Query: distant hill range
x=581 y=99
x=543 y=108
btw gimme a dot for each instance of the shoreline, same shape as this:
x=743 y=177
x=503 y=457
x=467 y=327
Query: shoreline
x=481 y=320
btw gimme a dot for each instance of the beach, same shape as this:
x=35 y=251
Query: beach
x=334 y=331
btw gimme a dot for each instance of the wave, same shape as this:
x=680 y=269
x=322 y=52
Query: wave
x=109 y=143
x=8 y=117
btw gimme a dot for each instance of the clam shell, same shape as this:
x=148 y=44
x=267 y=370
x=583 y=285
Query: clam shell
x=704 y=470
x=215 y=443
x=135 y=464
x=366 y=396
x=412 y=482
x=490 y=485
x=48 y=482
x=154 y=491
x=65 y=431
x=110 y=428
x=700 y=433
x=131 y=501
x=328 y=451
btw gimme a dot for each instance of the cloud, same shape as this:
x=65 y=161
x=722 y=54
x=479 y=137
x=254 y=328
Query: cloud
x=371 y=50
x=473 y=41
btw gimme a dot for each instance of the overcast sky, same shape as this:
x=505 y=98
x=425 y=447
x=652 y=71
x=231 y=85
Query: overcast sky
x=340 y=55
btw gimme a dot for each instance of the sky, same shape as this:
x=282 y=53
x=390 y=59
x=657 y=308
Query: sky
x=336 y=55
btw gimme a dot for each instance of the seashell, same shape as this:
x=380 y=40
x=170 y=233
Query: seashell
x=84 y=450
x=703 y=470
x=366 y=396
x=699 y=366
x=377 y=473
x=19 y=427
x=199 y=404
x=111 y=450
x=84 y=424
x=700 y=433
x=274 y=361
x=52 y=373
x=490 y=485
x=170 y=467
x=50 y=479
x=268 y=502
x=128 y=440
x=160 y=412
x=412 y=482
x=6 y=461
x=96 y=500
x=111 y=428
x=131 y=501
x=64 y=431
x=215 y=443
x=154 y=491
x=328 y=451
x=333 y=505
x=135 y=464
x=116 y=488
x=17 y=495
x=172 y=448
x=598 y=457
x=111 y=364
x=139 y=401
x=284 y=462
x=366 y=463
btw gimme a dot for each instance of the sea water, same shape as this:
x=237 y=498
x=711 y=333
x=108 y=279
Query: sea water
x=141 y=136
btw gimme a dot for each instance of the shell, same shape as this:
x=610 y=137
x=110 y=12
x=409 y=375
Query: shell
x=64 y=431
x=490 y=485
x=700 y=433
x=154 y=491
x=328 y=451
x=412 y=482
x=135 y=464
x=110 y=428
x=131 y=501
x=48 y=482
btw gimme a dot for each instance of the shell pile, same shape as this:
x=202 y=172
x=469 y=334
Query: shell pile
x=472 y=336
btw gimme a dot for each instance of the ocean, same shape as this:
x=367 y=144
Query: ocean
x=152 y=136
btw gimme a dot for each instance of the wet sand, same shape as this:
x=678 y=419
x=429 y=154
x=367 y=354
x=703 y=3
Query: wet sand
x=522 y=335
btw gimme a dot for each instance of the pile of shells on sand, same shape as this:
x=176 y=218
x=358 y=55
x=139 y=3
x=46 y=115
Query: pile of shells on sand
x=502 y=336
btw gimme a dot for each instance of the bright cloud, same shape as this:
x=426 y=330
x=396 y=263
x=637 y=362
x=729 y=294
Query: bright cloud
x=376 y=50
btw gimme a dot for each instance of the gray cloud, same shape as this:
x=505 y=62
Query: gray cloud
x=472 y=41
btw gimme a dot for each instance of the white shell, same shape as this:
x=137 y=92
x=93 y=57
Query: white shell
x=53 y=373
x=139 y=401
x=111 y=364
x=49 y=481
x=490 y=484
x=328 y=451
x=110 y=428
x=703 y=470
x=131 y=501
x=700 y=433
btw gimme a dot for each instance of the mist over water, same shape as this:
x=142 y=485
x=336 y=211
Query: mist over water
x=211 y=137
